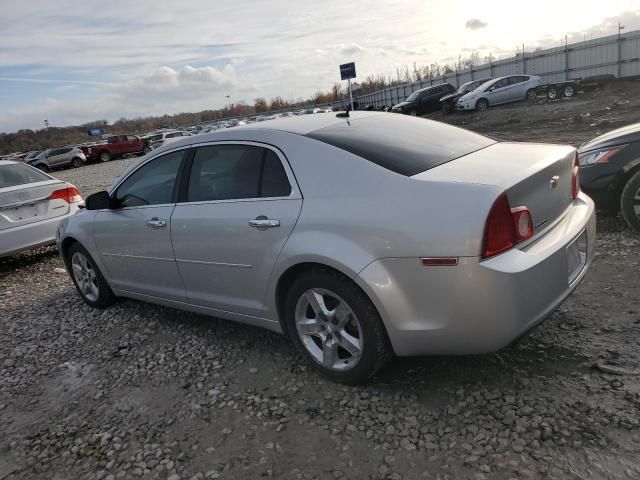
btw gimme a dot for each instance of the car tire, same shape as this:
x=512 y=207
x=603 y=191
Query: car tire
x=43 y=167
x=413 y=113
x=446 y=108
x=482 y=104
x=359 y=327
x=630 y=202
x=146 y=149
x=76 y=162
x=568 y=91
x=552 y=93
x=531 y=94
x=104 y=156
x=87 y=278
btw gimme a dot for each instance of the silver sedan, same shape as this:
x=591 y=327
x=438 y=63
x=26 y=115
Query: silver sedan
x=358 y=237
x=32 y=204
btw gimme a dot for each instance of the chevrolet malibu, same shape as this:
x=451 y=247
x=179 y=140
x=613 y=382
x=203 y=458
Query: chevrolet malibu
x=359 y=237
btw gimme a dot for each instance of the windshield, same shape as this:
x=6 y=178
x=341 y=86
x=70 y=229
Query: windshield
x=413 y=96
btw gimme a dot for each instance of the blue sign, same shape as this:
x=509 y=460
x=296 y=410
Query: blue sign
x=94 y=132
x=347 y=71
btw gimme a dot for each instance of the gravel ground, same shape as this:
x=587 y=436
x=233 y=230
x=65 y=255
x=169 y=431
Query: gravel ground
x=139 y=391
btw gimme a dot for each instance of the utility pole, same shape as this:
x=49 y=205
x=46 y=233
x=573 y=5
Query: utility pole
x=620 y=28
x=228 y=101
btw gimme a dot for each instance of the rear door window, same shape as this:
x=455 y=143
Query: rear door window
x=234 y=172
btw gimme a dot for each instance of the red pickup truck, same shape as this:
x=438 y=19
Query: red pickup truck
x=116 y=146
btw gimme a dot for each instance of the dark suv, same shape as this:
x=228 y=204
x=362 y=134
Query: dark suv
x=425 y=100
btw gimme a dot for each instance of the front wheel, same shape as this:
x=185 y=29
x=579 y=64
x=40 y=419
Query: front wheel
x=105 y=157
x=43 y=167
x=446 y=108
x=552 y=93
x=482 y=104
x=335 y=327
x=88 y=279
x=630 y=202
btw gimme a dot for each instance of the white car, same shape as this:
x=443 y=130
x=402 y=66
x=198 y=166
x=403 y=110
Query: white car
x=32 y=204
x=511 y=88
x=160 y=139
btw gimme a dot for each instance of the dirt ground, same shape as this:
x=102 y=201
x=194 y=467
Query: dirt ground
x=139 y=391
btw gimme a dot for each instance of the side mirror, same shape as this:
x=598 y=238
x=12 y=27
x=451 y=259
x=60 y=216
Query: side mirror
x=98 y=201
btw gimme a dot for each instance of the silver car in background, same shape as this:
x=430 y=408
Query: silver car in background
x=58 y=158
x=358 y=236
x=32 y=204
x=512 y=88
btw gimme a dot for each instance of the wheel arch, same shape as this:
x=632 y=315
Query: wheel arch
x=485 y=99
x=292 y=272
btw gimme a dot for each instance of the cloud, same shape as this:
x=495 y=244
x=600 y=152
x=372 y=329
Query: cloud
x=475 y=24
x=166 y=85
x=351 y=49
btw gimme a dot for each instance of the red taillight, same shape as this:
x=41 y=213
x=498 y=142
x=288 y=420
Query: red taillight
x=506 y=227
x=575 y=178
x=499 y=233
x=69 y=195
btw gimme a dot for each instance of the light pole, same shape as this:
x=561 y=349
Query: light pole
x=228 y=101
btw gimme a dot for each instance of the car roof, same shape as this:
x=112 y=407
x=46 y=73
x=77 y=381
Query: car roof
x=7 y=162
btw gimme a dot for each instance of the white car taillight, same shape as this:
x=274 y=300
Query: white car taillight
x=506 y=227
x=575 y=177
x=69 y=195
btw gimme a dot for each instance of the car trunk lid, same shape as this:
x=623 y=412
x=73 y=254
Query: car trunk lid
x=536 y=176
x=31 y=202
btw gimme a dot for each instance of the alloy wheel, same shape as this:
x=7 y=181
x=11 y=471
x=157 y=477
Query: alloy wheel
x=328 y=329
x=85 y=276
x=636 y=203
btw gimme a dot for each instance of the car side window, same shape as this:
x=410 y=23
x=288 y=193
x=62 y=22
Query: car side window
x=500 y=83
x=232 y=172
x=153 y=183
x=517 y=79
x=132 y=138
x=274 y=182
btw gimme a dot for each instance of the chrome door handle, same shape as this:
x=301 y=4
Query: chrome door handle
x=155 y=223
x=263 y=223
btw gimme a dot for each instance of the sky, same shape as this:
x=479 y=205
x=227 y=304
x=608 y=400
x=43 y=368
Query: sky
x=71 y=61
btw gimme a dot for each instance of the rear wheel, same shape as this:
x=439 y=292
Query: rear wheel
x=105 y=156
x=482 y=104
x=87 y=278
x=532 y=94
x=630 y=202
x=76 y=162
x=335 y=327
x=569 y=91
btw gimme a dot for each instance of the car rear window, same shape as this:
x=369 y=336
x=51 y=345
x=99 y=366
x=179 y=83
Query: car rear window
x=19 y=174
x=402 y=144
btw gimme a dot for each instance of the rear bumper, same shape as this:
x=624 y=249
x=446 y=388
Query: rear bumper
x=478 y=306
x=31 y=235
